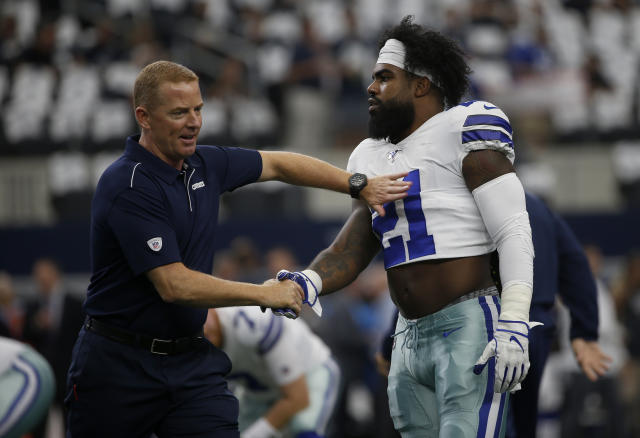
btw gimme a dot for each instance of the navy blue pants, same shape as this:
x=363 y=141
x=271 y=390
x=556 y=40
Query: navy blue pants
x=523 y=415
x=115 y=390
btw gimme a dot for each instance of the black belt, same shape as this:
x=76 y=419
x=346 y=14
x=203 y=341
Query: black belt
x=154 y=345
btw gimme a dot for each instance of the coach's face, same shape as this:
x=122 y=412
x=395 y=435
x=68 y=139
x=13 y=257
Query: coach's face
x=173 y=124
x=391 y=110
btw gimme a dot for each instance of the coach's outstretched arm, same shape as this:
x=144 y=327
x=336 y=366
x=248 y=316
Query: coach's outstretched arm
x=303 y=170
x=178 y=284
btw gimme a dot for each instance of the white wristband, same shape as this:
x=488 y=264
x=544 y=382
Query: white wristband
x=261 y=429
x=315 y=279
x=515 y=301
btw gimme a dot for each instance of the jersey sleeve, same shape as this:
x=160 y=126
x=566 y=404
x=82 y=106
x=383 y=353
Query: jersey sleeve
x=138 y=219
x=234 y=167
x=485 y=126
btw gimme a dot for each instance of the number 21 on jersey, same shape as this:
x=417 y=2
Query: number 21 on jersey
x=406 y=233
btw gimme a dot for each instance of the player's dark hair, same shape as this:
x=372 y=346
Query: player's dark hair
x=435 y=53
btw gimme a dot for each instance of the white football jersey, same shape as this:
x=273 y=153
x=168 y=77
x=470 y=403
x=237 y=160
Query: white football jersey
x=439 y=218
x=266 y=350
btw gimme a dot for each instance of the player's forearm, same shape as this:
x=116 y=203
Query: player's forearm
x=349 y=254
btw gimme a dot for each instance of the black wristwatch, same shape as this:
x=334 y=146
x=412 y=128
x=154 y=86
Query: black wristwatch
x=357 y=182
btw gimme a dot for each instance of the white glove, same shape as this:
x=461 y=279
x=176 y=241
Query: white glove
x=510 y=346
x=261 y=429
x=311 y=285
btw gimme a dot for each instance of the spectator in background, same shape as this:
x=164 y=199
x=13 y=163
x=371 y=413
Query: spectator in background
x=52 y=321
x=280 y=257
x=283 y=374
x=313 y=81
x=11 y=315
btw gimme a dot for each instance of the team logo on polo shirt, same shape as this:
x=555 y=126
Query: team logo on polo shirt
x=197 y=185
x=155 y=244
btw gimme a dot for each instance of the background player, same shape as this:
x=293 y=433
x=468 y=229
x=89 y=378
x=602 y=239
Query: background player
x=283 y=374
x=464 y=202
x=27 y=387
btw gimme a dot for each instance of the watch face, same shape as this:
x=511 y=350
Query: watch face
x=357 y=179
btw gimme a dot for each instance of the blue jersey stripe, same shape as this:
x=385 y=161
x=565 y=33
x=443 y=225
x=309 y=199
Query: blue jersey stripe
x=485 y=135
x=488 y=119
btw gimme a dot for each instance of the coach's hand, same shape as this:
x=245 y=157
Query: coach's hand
x=286 y=296
x=386 y=188
x=510 y=347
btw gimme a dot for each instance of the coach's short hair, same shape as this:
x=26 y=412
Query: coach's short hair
x=145 y=89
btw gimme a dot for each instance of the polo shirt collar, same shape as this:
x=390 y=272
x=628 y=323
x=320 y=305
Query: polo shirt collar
x=138 y=153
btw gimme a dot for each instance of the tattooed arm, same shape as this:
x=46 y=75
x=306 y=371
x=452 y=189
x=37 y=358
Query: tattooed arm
x=349 y=254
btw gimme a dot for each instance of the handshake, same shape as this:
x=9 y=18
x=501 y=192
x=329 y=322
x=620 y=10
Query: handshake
x=311 y=285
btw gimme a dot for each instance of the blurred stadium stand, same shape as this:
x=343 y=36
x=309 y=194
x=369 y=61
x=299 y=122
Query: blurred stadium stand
x=291 y=75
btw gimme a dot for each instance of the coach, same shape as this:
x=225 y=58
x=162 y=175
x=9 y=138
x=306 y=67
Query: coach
x=140 y=364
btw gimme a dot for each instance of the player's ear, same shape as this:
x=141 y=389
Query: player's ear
x=422 y=87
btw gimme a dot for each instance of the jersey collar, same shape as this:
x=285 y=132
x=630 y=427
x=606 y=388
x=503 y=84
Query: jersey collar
x=138 y=153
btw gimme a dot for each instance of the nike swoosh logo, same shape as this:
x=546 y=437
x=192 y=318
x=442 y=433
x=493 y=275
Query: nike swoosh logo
x=445 y=334
x=513 y=338
x=490 y=107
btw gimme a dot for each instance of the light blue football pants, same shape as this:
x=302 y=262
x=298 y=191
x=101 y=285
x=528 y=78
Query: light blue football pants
x=433 y=391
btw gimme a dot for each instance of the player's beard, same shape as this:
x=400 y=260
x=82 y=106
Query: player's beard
x=391 y=119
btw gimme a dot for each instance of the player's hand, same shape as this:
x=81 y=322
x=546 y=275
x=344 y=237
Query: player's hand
x=286 y=296
x=510 y=347
x=593 y=362
x=311 y=285
x=386 y=188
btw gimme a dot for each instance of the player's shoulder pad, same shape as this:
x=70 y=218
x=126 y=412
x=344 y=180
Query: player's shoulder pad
x=483 y=126
x=463 y=111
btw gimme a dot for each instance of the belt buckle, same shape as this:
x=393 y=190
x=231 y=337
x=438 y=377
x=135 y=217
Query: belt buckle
x=159 y=342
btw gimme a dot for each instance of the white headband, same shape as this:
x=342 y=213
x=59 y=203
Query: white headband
x=393 y=52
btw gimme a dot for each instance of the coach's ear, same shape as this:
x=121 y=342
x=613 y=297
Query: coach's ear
x=142 y=117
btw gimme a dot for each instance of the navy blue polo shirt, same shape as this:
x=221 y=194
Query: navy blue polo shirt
x=146 y=214
x=561 y=268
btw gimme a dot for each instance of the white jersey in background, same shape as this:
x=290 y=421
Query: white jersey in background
x=439 y=218
x=268 y=351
